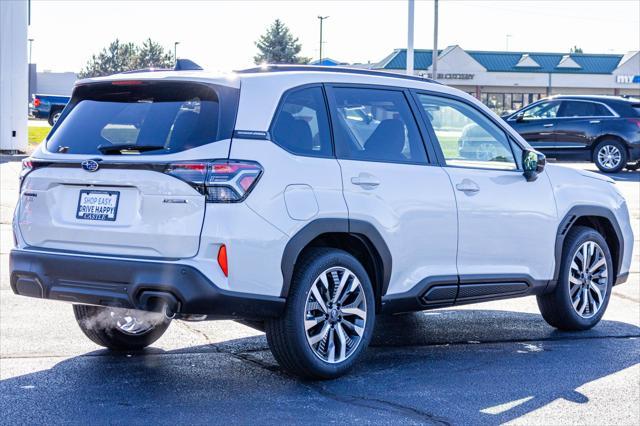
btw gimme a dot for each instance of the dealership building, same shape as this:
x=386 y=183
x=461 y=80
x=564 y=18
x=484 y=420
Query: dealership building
x=506 y=81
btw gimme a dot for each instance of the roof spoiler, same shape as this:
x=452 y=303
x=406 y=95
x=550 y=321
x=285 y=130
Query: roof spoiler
x=186 y=65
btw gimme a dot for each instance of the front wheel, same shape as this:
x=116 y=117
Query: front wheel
x=584 y=285
x=120 y=329
x=610 y=156
x=329 y=316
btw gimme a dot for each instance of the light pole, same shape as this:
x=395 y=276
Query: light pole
x=508 y=36
x=434 y=54
x=175 y=50
x=410 y=38
x=321 y=18
x=30 y=48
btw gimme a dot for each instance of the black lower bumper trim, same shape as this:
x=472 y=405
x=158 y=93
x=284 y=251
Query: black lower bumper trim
x=132 y=284
x=621 y=279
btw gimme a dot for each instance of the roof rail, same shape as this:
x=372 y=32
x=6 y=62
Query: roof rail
x=337 y=69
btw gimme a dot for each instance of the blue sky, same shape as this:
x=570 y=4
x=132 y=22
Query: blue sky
x=220 y=34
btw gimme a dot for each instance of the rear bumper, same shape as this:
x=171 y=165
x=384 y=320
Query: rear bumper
x=133 y=284
x=38 y=114
x=634 y=152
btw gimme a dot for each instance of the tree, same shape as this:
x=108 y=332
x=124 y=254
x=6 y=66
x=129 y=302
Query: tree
x=576 y=49
x=153 y=55
x=119 y=57
x=278 y=46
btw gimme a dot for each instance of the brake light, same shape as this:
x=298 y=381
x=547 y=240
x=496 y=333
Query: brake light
x=221 y=181
x=36 y=102
x=126 y=83
x=222 y=260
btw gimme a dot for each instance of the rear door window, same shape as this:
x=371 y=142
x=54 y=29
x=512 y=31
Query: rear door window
x=578 y=109
x=375 y=125
x=148 y=118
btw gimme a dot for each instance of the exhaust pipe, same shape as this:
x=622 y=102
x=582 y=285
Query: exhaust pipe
x=159 y=301
x=168 y=312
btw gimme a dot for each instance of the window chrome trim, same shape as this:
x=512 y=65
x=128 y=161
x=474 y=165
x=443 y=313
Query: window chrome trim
x=614 y=114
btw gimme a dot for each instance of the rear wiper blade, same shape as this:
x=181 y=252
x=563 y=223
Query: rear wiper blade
x=109 y=149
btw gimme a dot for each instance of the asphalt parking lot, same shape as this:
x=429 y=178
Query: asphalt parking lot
x=490 y=363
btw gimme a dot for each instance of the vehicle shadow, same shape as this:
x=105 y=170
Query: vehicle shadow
x=625 y=176
x=443 y=367
x=622 y=176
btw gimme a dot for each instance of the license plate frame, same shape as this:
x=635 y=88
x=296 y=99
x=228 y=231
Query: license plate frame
x=98 y=216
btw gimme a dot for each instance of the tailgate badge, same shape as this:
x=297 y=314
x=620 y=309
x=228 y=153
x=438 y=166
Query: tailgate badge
x=90 y=165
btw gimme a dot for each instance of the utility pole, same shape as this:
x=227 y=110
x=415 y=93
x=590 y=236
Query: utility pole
x=434 y=54
x=410 y=38
x=321 y=18
x=508 y=37
x=175 y=50
x=30 y=47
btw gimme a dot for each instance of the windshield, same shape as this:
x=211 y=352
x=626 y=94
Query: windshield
x=144 y=117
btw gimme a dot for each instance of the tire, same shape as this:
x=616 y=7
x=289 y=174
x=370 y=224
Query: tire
x=302 y=353
x=557 y=307
x=100 y=324
x=54 y=116
x=610 y=156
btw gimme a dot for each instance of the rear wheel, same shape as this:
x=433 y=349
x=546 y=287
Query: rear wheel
x=54 y=116
x=610 y=156
x=329 y=317
x=584 y=285
x=120 y=329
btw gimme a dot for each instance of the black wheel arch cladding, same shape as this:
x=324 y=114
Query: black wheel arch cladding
x=578 y=215
x=363 y=231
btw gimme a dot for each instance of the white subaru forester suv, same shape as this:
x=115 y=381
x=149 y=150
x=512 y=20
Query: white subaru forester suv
x=303 y=201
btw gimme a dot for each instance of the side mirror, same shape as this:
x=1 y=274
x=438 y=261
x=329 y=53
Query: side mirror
x=519 y=117
x=533 y=164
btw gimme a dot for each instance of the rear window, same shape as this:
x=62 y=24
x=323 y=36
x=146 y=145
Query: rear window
x=147 y=118
x=583 y=109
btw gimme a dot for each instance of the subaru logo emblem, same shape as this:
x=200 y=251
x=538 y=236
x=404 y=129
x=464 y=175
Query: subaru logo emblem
x=90 y=165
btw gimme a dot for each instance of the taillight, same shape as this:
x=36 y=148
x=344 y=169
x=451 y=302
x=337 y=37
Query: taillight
x=27 y=167
x=36 y=103
x=221 y=181
x=635 y=121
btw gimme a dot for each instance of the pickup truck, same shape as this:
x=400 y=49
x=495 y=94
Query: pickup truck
x=48 y=106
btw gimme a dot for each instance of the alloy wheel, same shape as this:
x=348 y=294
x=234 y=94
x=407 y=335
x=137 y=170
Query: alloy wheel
x=335 y=315
x=609 y=156
x=588 y=278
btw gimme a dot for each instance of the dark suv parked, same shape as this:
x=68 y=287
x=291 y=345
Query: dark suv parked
x=602 y=129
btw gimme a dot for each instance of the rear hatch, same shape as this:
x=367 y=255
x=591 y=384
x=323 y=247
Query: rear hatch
x=102 y=183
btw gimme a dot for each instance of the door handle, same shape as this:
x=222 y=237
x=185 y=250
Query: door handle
x=468 y=186
x=365 y=180
x=594 y=121
x=548 y=125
